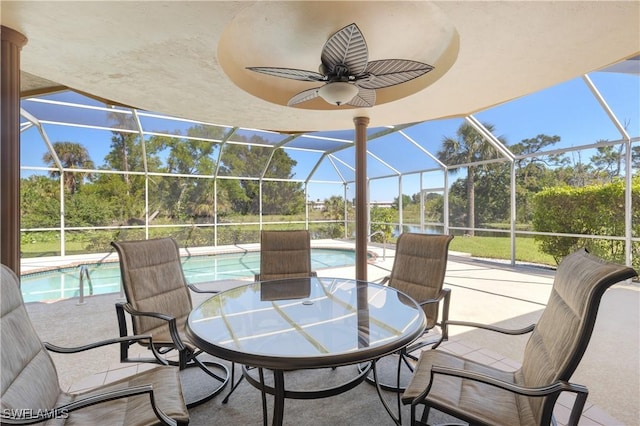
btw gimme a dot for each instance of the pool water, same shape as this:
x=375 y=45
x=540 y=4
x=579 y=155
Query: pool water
x=105 y=277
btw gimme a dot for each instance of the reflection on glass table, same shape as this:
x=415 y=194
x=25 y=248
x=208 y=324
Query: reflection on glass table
x=305 y=323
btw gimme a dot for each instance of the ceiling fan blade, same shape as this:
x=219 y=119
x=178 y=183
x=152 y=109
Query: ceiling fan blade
x=305 y=95
x=389 y=72
x=364 y=99
x=347 y=47
x=294 y=74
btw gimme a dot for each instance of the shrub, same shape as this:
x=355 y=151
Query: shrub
x=591 y=210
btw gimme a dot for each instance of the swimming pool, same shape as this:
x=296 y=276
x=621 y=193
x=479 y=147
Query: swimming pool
x=64 y=283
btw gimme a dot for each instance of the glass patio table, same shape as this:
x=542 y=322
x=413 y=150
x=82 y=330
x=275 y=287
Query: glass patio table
x=306 y=323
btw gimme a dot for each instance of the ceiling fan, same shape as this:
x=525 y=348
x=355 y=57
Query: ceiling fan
x=348 y=75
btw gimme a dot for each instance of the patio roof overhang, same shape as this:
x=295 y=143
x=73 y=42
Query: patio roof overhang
x=176 y=57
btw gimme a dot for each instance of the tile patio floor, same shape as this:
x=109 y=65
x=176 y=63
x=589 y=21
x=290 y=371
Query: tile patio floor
x=482 y=291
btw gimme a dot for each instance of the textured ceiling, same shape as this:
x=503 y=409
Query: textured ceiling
x=187 y=58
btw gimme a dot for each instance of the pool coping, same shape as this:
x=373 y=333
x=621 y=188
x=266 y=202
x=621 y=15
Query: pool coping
x=34 y=265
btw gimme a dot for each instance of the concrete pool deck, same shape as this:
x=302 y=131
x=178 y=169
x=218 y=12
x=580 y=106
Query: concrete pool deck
x=482 y=291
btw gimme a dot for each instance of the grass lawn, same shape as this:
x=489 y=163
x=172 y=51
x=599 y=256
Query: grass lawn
x=500 y=248
x=487 y=247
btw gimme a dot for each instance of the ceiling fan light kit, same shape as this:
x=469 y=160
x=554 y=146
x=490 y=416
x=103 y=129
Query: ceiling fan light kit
x=338 y=92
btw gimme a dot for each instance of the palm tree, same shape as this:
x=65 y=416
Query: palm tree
x=72 y=155
x=467 y=147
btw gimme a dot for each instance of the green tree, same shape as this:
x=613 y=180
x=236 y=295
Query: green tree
x=467 y=147
x=608 y=159
x=255 y=162
x=184 y=197
x=493 y=202
x=534 y=172
x=381 y=223
x=406 y=200
x=334 y=209
x=72 y=155
x=39 y=202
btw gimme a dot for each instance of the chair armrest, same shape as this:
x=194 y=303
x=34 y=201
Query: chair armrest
x=527 y=329
x=127 y=307
x=441 y=295
x=128 y=339
x=554 y=388
x=173 y=327
x=195 y=289
x=64 y=410
x=383 y=280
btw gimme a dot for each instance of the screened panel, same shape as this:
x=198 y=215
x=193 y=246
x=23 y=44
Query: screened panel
x=122 y=197
x=245 y=160
x=411 y=199
x=568 y=110
x=377 y=167
x=87 y=205
x=314 y=142
x=283 y=200
x=292 y=164
x=80 y=115
x=40 y=243
x=327 y=171
x=433 y=194
x=153 y=124
x=238 y=234
x=96 y=241
x=401 y=154
x=175 y=200
x=78 y=147
x=343 y=161
x=620 y=92
x=71 y=97
x=39 y=201
x=33 y=148
x=258 y=137
x=318 y=192
x=492 y=198
x=182 y=156
x=382 y=216
x=431 y=134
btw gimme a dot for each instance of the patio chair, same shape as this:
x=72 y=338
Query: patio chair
x=159 y=302
x=418 y=270
x=483 y=395
x=31 y=391
x=285 y=254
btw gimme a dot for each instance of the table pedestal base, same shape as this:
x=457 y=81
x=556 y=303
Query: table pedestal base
x=279 y=391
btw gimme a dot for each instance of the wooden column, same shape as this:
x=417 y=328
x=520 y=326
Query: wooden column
x=11 y=43
x=361 y=197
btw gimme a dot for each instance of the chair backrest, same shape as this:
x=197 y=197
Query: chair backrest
x=29 y=377
x=285 y=254
x=153 y=281
x=562 y=334
x=419 y=267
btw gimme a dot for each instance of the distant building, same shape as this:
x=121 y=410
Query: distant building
x=382 y=204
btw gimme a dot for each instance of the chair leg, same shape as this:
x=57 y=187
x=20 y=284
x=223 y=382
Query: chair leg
x=403 y=357
x=424 y=420
x=189 y=359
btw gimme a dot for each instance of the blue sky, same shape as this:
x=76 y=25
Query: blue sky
x=568 y=110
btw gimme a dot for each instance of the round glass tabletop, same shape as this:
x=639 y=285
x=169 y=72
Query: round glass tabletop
x=305 y=323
